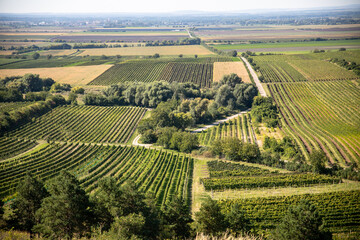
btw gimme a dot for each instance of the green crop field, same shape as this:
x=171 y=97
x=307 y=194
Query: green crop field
x=199 y=71
x=164 y=174
x=10 y=147
x=340 y=210
x=239 y=127
x=306 y=67
x=322 y=115
x=83 y=123
x=289 y=44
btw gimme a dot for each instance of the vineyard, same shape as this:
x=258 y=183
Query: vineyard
x=239 y=127
x=199 y=73
x=164 y=174
x=196 y=70
x=11 y=147
x=340 y=210
x=294 y=68
x=267 y=181
x=83 y=123
x=322 y=115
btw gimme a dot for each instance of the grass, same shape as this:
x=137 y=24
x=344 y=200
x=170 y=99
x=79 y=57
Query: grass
x=198 y=190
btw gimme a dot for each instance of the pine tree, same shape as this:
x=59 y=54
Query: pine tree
x=66 y=211
x=301 y=222
x=30 y=194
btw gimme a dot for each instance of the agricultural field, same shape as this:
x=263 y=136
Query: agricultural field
x=239 y=127
x=303 y=67
x=164 y=174
x=340 y=210
x=132 y=71
x=322 y=115
x=10 y=147
x=83 y=123
x=225 y=68
x=190 y=50
x=78 y=75
x=289 y=46
x=274 y=32
x=199 y=71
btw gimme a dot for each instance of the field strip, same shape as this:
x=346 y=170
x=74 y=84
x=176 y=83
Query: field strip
x=198 y=189
x=78 y=75
x=219 y=121
x=255 y=77
x=162 y=50
x=224 y=68
x=287 y=191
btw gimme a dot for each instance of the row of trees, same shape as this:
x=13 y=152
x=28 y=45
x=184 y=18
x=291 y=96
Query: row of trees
x=63 y=210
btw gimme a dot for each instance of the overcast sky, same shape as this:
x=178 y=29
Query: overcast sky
x=85 y=6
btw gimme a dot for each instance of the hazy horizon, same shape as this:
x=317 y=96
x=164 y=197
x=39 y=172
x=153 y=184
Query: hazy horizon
x=158 y=6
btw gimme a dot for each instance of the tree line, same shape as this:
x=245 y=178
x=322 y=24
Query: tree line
x=61 y=209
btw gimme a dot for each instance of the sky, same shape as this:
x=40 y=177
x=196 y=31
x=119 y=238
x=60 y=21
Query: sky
x=142 y=6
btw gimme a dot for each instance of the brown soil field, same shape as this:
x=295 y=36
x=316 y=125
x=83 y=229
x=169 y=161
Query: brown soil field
x=224 y=68
x=120 y=37
x=76 y=76
x=164 y=50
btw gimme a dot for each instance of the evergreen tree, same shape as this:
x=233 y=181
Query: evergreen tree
x=210 y=219
x=301 y=222
x=177 y=215
x=31 y=193
x=65 y=212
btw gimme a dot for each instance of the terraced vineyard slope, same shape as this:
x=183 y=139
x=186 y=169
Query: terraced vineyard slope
x=10 y=147
x=164 y=174
x=83 y=123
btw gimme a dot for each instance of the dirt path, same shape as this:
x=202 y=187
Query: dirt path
x=219 y=121
x=255 y=77
x=136 y=142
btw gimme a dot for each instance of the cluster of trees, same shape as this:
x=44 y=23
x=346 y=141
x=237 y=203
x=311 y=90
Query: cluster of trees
x=285 y=148
x=265 y=111
x=13 y=119
x=348 y=65
x=24 y=84
x=62 y=210
x=227 y=95
x=166 y=128
x=184 y=41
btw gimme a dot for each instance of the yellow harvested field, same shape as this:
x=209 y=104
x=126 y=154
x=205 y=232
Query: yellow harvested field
x=76 y=76
x=145 y=51
x=225 y=68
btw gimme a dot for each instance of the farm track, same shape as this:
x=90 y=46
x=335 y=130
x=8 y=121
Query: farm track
x=255 y=77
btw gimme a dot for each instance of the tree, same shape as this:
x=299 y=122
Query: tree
x=180 y=55
x=178 y=216
x=48 y=57
x=156 y=55
x=36 y=56
x=31 y=193
x=234 y=53
x=318 y=159
x=210 y=219
x=236 y=220
x=66 y=211
x=196 y=56
x=301 y=222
